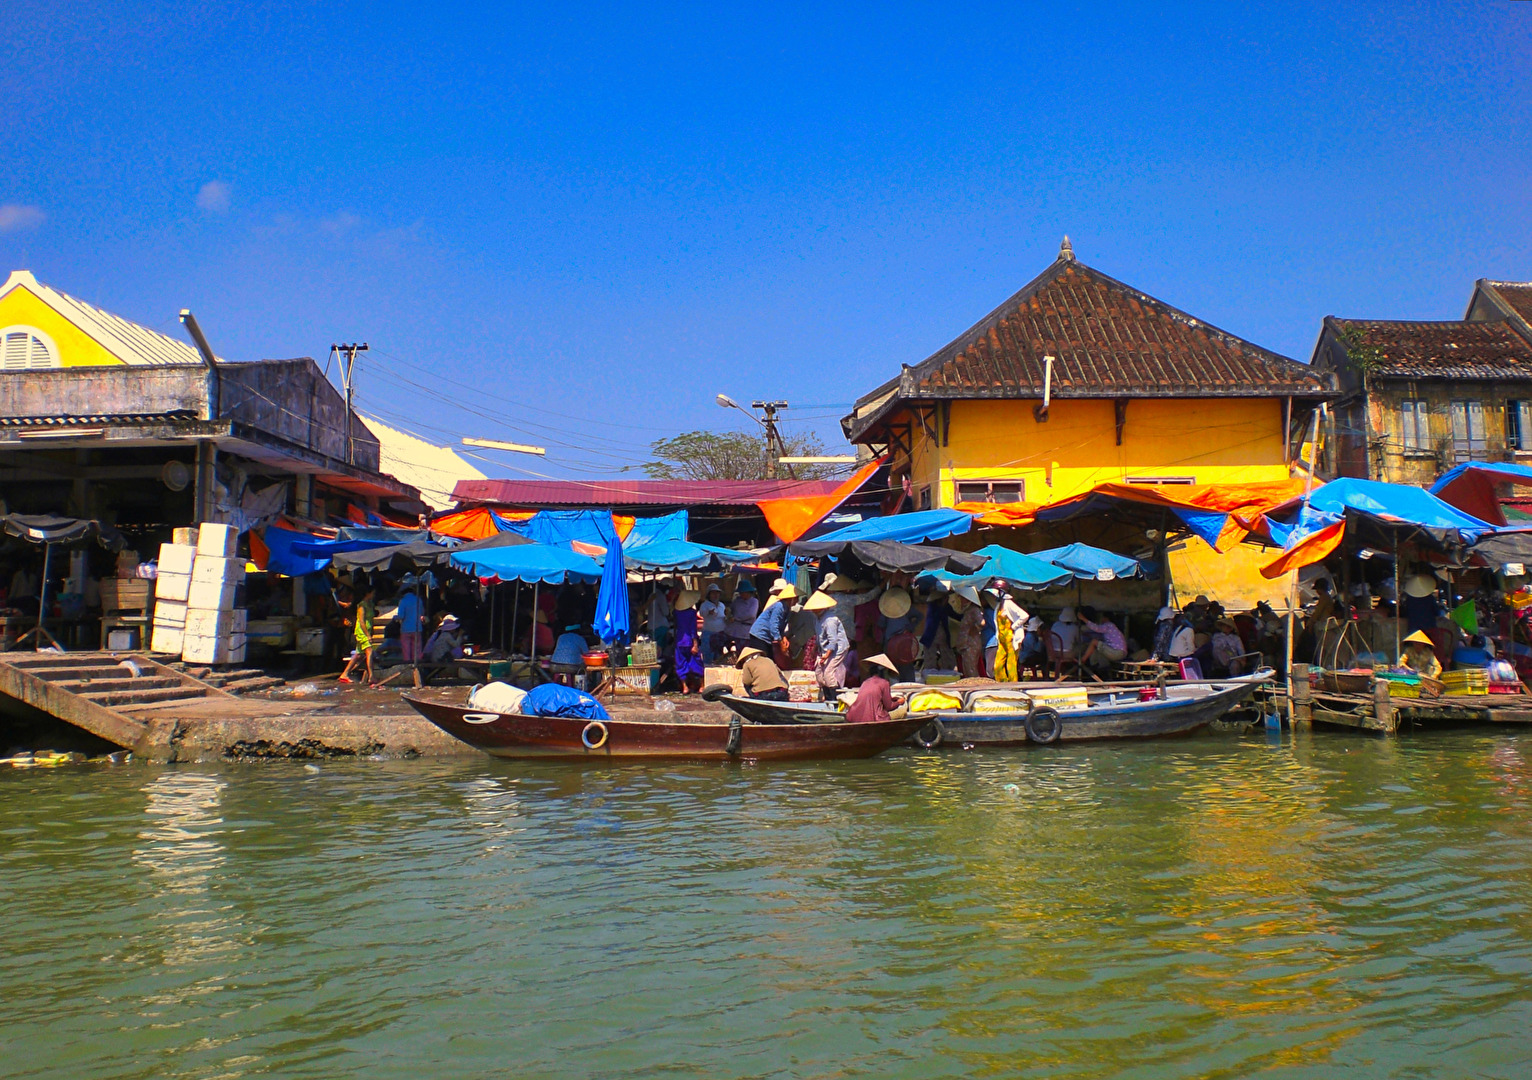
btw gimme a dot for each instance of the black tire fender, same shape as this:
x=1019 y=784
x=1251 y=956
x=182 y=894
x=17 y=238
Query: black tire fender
x=1043 y=725
x=930 y=734
x=717 y=690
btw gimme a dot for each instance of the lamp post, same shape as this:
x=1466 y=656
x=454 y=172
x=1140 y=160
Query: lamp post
x=774 y=447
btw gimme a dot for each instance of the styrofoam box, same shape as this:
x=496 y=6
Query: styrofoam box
x=167 y=639
x=211 y=596
x=212 y=568
x=237 y=621
x=170 y=613
x=205 y=650
x=186 y=537
x=176 y=558
x=203 y=622
x=216 y=540
x=172 y=587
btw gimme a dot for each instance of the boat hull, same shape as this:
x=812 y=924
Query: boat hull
x=1131 y=720
x=555 y=737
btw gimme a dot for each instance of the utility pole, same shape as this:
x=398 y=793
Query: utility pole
x=774 y=446
x=347 y=354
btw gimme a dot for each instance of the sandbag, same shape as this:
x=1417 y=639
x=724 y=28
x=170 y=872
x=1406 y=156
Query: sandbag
x=497 y=697
x=935 y=701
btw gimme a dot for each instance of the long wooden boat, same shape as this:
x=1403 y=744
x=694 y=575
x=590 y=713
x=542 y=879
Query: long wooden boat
x=1111 y=712
x=513 y=736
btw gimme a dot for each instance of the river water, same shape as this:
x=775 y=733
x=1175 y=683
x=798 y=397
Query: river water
x=1215 y=907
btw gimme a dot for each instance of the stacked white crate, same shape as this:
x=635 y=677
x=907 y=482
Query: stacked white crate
x=172 y=586
x=215 y=629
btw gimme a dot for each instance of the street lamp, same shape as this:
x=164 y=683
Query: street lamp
x=774 y=447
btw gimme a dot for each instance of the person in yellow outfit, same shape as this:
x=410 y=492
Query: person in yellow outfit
x=366 y=613
x=1420 y=655
x=1010 y=621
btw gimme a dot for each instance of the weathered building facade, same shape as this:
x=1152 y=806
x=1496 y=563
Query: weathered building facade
x=101 y=417
x=1077 y=380
x=1418 y=398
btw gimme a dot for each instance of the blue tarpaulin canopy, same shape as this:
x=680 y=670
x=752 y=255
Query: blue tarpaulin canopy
x=1013 y=567
x=904 y=528
x=1398 y=504
x=546 y=563
x=593 y=526
x=672 y=555
x=284 y=559
x=613 y=618
x=1088 y=563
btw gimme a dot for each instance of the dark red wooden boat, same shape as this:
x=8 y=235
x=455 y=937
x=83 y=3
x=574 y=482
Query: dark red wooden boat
x=513 y=736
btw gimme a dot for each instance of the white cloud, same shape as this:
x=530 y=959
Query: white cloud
x=341 y=222
x=213 y=197
x=15 y=217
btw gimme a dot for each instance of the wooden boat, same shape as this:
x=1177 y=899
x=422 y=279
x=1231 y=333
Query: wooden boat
x=1110 y=711
x=513 y=736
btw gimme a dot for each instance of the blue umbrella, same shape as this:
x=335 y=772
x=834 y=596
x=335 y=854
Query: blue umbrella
x=534 y=563
x=1086 y=562
x=1015 y=568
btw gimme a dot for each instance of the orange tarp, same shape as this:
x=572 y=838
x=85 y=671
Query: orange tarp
x=1244 y=503
x=1013 y=515
x=1311 y=550
x=475 y=524
x=791 y=518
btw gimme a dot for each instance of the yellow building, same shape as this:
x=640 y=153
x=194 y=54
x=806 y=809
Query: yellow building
x=1078 y=380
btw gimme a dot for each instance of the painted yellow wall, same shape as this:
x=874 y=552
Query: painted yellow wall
x=76 y=348
x=1211 y=441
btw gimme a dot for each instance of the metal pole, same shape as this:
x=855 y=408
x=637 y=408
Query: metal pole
x=535 y=586
x=515 y=607
x=42 y=598
x=1292 y=588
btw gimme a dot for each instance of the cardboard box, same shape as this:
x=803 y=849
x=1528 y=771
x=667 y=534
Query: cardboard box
x=172 y=587
x=216 y=540
x=167 y=639
x=212 y=568
x=176 y=558
x=169 y=613
x=211 y=596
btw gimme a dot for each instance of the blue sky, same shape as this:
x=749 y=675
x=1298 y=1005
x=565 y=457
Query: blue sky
x=574 y=225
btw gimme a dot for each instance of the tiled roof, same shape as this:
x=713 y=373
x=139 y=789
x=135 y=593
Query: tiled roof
x=1107 y=340
x=555 y=493
x=1515 y=299
x=1440 y=350
x=128 y=341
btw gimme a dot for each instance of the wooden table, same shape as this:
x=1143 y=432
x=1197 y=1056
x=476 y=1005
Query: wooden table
x=1148 y=670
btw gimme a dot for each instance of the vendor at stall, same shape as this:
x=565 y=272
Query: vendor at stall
x=1421 y=608
x=715 y=615
x=569 y=650
x=1420 y=655
x=769 y=631
x=743 y=610
x=688 y=647
x=834 y=646
x=447 y=642
x=759 y=676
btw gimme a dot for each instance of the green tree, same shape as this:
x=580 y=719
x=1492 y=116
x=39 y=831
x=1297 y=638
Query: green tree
x=730 y=455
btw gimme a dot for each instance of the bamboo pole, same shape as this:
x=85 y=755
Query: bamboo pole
x=1292 y=586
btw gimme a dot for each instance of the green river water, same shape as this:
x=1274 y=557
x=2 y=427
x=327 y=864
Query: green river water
x=1224 y=906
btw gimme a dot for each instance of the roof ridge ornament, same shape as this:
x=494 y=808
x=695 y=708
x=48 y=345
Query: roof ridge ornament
x=1066 y=251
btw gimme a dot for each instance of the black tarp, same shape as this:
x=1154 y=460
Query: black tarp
x=1498 y=549
x=891 y=555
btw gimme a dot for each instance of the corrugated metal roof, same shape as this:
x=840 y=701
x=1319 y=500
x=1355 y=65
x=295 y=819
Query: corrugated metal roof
x=1439 y=350
x=128 y=341
x=554 y=493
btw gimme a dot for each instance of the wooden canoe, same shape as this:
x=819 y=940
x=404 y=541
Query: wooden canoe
x=513 y=736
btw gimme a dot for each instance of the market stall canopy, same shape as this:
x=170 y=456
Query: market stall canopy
x=505 y=539
x=54 y=529
x=1470 y=487
x=676 y=555
x=1219 y=514
x=476 y=523
x=546 y=563
x=1371 y=512
x=1012 y=567
x=419 y=553
x=902 y=528
x=890 y=555
x=1506 y=546
x=595 y=526
x=1091 y=563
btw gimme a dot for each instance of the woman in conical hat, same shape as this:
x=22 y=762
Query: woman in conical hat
x=1420 y=655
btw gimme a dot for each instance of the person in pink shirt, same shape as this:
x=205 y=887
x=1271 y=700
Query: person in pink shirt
x=875 y=699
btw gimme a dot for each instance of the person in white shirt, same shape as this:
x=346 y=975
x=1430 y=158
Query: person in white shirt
x=1067 y=627
x=714 y=617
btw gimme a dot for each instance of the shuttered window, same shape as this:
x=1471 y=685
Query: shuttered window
x=1518 y=424
x=1468 y=430
x=23 y=348
x=1415 y=425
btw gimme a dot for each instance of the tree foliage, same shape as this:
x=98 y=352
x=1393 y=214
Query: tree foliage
x=730 y=455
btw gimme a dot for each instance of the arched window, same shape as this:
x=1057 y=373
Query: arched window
x=26 y=347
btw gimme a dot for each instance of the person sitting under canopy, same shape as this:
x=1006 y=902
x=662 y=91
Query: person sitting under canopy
x=1420 y=655
x=760 y=677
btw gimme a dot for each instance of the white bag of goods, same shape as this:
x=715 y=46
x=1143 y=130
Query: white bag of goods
x=999 y=701
x=498 y=697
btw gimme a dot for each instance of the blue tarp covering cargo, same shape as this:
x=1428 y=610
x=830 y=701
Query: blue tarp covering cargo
x=904 y=528
x=551 y=699
x=1090 y=563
